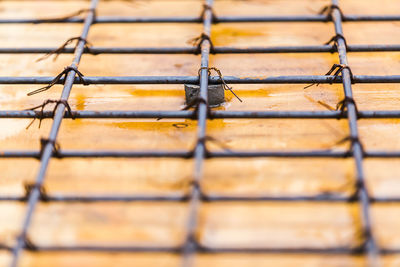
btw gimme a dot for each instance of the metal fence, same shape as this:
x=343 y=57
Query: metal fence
x=347 y=109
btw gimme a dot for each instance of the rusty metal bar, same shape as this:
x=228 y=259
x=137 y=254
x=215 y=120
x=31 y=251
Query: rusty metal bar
x=48 y=147
x=186 y=114
x=191 y=244
x=193 y=50
x=361 y=192
x=292 y=79
x=221 y=19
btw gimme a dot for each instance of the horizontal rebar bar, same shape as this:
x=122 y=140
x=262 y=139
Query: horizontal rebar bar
x=220 y=19
x=193 y=50
x=184 y=114
x=331 y=197
x=189 y=154
x=294 y=79
x=204 y=249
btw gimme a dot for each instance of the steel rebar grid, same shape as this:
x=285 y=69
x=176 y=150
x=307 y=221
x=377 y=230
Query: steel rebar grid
x=191 y=244
x=368 y=240
x=250 y=154
x=48 y=147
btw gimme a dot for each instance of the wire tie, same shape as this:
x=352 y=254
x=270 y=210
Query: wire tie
x=335 y=70
x=206 y=7
x=73 y=15
x=42 y=106
x=28 y=244
x=58 y=78
x=195 y=104
x=364 y=234
x=334 y=40
x=208 y=138
x=194 y=183
x=342 y=105
x=59 y=50
x=367 y=234
x=192 y=241
x=328 y=11
x=213 y=140
x=29 y=187
x=56 y=147
x=224 y=84
x=353 y=140
x=329 y=107
x=359 y=184
x=198 y=41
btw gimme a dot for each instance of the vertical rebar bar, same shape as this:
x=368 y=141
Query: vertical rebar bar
x=48 y=147
x=191 y=243
x=369 y=244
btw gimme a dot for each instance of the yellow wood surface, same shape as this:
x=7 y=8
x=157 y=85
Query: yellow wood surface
x=291 y=225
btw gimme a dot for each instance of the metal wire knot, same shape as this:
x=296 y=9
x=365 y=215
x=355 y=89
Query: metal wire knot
x=65 y=18
x=28 y=244
x=197 y=42
x=58 y=51
x=206 y=7
x=44 y=142
x=342 y=105
x=45 y=103
x=58 y=78
x=353 y=140
x=195 y=103
x=193 y=183
x=335 y=39
x=224 y=84
x=213 y=140
x=335 y=70
x=328 y=11
x=29 y=187
x=366 y=232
